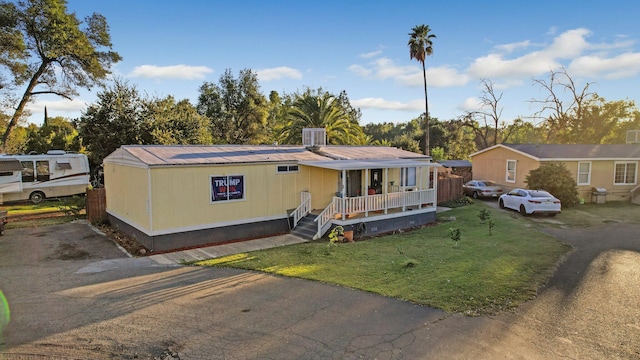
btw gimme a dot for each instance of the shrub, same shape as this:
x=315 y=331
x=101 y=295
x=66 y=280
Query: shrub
x=555 y=178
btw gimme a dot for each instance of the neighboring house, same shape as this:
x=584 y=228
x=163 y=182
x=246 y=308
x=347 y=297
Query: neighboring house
x=613 y=167
x=458 y=167
x=171 y=197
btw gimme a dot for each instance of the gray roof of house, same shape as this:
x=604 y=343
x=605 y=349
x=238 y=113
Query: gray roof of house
x=455 y=163
x=579 y=151
x=161 y=155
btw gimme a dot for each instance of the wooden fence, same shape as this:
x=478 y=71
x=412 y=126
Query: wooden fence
x=449 y=188
x=96 y=206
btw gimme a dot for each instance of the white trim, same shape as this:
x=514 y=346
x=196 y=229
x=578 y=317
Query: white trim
x=635 y=176
x=507 y=148
x=195 y=227
x=393 y=215
x=588 y=173
x=589 y=159
x=515 y=168
x=149 y=199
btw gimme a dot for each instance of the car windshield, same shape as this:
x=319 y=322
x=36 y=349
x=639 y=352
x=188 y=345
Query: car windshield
x=485 y=183
x=539 y=194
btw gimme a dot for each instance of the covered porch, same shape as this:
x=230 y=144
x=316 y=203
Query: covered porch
x=374 y=191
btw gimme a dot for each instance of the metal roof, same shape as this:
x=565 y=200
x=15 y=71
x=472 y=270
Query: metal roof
x=367 y=164
x=348 y=152
x=157 y=155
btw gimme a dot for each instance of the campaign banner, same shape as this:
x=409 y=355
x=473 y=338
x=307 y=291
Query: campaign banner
x=227 y=187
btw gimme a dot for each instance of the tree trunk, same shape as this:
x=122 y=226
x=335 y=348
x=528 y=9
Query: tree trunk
x=26 y=96
x=426 y=112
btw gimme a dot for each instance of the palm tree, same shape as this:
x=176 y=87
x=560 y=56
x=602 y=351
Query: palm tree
x=320 y=111
x=421 y=46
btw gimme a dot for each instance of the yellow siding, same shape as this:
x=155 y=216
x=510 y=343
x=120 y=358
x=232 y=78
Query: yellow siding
x=182 y=195
x=323 y=185
x=127 y=193
x=492 y=165
x=602 y=176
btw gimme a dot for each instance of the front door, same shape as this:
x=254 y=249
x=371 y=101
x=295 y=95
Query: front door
x=375 y=181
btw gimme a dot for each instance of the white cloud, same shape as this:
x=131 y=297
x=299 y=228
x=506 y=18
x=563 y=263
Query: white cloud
x=409 y=75
x=621 y=66
x=382 y=104
x=184 y=72
x=471 y=104
x=513 y=46
x=278 y=73
x=63 y=105
x=370 y=55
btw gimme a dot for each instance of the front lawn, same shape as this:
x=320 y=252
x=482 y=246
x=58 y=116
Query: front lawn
x=481 y=274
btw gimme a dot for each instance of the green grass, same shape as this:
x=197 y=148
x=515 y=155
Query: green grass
x=482 y=274
x=22 y=211
x=587 y=215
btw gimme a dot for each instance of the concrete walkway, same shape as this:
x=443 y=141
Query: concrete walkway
x=215 y=251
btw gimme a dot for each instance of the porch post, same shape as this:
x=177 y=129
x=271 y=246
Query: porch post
x=421 y=168
x=343 y=198
x=366 y=191
x=385 y=190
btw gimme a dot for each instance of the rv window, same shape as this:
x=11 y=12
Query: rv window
x=27 y=173
x=42 y=170
x=63 y=165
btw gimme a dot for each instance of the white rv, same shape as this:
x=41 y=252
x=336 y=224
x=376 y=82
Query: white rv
x=36 y=177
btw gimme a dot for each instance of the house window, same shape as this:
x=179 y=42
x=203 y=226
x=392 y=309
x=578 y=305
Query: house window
x=227 y=188
x=286 y=169
x=584 y=173
x=511 y=171
x=625 y=173
x=408 y=176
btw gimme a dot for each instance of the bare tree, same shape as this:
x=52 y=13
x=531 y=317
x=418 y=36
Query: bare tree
x=561 y=116
x=489 y=132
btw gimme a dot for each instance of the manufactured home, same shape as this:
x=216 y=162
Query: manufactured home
x=41 y=176
x=612 y=169
x=171 y=197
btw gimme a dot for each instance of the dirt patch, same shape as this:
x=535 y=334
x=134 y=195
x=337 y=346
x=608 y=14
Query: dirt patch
x=127 y=242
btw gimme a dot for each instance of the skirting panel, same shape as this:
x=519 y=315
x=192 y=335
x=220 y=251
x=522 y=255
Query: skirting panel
x=203 y=237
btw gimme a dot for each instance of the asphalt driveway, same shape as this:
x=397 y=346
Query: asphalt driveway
x=73 y=295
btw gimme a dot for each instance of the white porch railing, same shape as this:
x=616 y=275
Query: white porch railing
x=302 y=210
x=344 y=207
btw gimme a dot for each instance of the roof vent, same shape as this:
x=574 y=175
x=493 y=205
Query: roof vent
x=56 y=152
x=314 y=137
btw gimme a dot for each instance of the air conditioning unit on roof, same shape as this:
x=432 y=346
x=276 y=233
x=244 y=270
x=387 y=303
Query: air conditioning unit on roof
x=314 y=137
x=633 y=137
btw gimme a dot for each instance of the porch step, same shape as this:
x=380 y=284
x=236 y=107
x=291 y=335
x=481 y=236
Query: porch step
x=306 y=228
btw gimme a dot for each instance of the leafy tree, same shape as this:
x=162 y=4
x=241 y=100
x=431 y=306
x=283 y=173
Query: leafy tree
x=236 y=109
x=45 y=50
x=555 y=178
x=406 y=142
x=421 y=46
x=56 y=133
x=168 y=121
x=115 y=119
x=321 y=110
x=16 y=142
x=523 y=132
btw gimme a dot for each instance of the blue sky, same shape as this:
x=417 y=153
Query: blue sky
x=172 y=47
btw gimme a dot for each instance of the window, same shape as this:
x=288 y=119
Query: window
x=42 y=170
x=63 y=165
x=287 y=168
x=625 y=173
x=511 y=171
x=584 y=173
x=408 y=176
x=6 y=173
x=28 y=171
x=226 y=188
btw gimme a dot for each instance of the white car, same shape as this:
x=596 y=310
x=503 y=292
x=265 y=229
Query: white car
x=530 y=202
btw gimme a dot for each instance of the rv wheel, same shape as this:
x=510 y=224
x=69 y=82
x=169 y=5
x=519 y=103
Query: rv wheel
x=36 y=197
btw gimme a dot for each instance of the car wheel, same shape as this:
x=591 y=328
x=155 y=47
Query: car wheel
x=523 y=211
x=475 y=195
x=36 y=197
x=501 y=204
